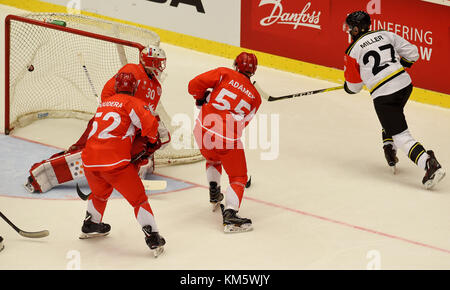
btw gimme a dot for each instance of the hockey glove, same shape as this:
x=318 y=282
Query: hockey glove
x=347 y=90
x=152 y=147
x=200 y=102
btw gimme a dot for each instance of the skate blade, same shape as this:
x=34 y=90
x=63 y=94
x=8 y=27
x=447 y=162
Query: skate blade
x=237 y=229
x=215 y=205
x=438 y=176
x=84 y=236
x=393 y=169
x=158 y=251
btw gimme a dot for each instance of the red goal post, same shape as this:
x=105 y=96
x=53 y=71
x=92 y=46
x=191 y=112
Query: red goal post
x=44 y=75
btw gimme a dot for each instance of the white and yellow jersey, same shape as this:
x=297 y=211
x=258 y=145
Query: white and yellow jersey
x=377 y=60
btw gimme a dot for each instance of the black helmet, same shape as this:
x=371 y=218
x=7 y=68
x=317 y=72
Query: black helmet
x=360 y=19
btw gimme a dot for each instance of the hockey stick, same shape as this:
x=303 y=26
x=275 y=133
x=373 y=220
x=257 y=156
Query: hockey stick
x=261 y=92
x=271 y=99
x=148 y=185
x=88 y=76
x=39 y=234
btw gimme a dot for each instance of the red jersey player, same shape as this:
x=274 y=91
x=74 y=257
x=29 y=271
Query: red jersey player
x=224 y=114
x=107 y=159
x=378 y=59
x=65 y=166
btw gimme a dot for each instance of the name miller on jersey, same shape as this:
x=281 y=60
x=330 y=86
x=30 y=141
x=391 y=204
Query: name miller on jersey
x=240 y=87
x=371 y=41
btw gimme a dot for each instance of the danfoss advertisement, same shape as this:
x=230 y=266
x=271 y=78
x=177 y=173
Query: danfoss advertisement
x=312 y=31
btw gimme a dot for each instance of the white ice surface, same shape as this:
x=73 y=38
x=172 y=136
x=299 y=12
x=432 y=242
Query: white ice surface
x=328 y=201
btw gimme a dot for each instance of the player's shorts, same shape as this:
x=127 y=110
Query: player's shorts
x=389 y=110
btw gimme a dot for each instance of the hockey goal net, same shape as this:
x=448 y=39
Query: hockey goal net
x=45 y=77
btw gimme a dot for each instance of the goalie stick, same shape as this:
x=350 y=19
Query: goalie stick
x=25 y=234
x=271 y=99
x=148 y=185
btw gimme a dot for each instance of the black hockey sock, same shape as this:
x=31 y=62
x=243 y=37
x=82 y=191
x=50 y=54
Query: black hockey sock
x=386 y=138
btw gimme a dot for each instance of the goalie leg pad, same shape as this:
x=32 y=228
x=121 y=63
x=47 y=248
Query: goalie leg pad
x=59 y=169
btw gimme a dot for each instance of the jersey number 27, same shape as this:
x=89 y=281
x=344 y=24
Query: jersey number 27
x=377 y=58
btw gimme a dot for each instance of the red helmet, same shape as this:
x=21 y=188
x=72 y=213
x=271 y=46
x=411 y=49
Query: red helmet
x=246 y=63
x=153 y=58
x=125 y=83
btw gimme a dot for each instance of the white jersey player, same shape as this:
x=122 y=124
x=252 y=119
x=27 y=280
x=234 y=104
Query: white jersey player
x=377 y=59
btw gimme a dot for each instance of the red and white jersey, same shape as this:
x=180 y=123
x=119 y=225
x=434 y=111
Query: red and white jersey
x=374 y=60
x=232 y=103
x=113 y=131
x=149 y=90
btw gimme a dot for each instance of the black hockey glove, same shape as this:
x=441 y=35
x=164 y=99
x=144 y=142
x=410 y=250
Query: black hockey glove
x=202 y=101
x=347 y=90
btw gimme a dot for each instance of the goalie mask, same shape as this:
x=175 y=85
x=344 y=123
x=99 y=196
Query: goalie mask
x=153 y=58
x=246 y=63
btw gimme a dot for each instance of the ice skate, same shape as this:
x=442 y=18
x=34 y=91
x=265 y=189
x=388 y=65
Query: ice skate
x=93 y=230
x=434 y=172
x=154 y=241
x=1 y=244
x=215 y=196
x=232 y=223
x=391 y=157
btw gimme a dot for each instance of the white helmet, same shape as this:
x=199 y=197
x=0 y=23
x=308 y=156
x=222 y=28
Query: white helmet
x=153 y=58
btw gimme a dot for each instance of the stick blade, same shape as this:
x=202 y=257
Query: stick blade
x=34 y=235
x=81 y=194
x=154 y=184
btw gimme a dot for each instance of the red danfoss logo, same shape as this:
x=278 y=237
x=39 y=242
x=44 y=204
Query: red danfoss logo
x=305 y=17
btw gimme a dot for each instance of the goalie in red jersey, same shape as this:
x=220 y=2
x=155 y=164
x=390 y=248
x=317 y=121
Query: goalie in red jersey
x=107 y=159
x=66 y=166
x=225 y=111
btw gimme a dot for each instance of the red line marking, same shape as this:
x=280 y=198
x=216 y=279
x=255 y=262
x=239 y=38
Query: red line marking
x=348 y=225
x=36 y=142
x=338 y=222
x=299 y=212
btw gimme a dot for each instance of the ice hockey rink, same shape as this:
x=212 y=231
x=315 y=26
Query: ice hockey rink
x=327 y=200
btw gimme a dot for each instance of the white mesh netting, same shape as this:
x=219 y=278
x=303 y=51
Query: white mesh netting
x=47 y=79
